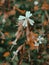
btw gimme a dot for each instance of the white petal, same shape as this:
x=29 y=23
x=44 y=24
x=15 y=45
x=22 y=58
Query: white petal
x=28 y=14
x=36 y=44
x=14 y=53
x=31 y=21
x=15 y=40
x=36 y=3
x=16 y=33
x=40 y=42
x=17 y=51
x=21 y=21
x=42 y=38
x=14 y=43
x=21 y=17
x=38 y=39
x=25 y=23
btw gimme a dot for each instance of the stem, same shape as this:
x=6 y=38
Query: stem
x=13 y=57
x=47 y=15
x=3 y=36
x=11 y=47
x=29 y=55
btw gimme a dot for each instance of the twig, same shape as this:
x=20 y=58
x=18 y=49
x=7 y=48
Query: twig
x=3 y=36
x=47 y=15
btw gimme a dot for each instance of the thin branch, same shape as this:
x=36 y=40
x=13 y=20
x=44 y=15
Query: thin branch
x=46 y=13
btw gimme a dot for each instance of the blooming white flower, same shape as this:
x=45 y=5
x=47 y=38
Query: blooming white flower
x=40 y=39
x=25 y=19
x=36 y=2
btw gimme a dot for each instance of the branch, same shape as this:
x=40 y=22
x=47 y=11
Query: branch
x=47 y=15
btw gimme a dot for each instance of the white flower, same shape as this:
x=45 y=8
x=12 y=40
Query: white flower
x=40 y=39
x=25 y=19
x=36 y=2
x=3 y=20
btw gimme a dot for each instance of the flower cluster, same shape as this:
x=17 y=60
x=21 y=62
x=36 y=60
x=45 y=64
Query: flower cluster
x=40 y=40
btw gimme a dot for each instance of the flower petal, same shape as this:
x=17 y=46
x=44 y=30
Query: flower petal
x=36 y=3
x=14 y=52
x=14 y=43
x=31 y=22
x=21 y=17
x=36 y=44
x=42 y=38
x=40 y=42
x=28 y=14
x=25 y=23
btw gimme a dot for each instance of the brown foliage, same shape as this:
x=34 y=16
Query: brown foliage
x=31 y=38
x=45 y=6
x=6 y=54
